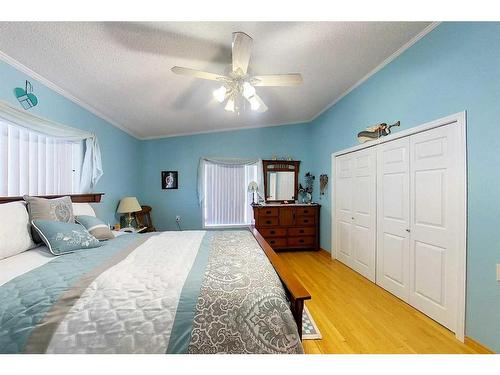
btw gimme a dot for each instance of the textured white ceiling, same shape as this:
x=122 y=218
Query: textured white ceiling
x=122 y=69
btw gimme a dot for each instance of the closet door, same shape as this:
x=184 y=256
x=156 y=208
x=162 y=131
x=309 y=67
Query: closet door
x=344 y=171
x=355 y=219
x=435 y=180
x=393 y=217
x=364 y=212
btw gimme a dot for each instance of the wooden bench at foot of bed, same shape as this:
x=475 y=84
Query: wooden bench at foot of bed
x=295 y=290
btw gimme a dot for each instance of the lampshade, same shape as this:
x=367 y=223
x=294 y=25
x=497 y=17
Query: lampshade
x=128 y=204
x=253 y=187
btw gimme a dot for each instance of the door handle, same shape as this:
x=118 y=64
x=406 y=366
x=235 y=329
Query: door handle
x=408 y=230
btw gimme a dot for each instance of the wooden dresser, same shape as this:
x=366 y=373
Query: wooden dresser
x=288 y=226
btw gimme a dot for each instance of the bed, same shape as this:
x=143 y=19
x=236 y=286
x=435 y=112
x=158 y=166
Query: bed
x=164 y=292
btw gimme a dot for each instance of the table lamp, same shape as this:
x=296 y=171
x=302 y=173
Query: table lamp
x=127 y=206
x=253 y=187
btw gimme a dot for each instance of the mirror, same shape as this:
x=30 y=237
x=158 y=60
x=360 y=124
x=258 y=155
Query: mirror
x=280 y=186
x=281 y=180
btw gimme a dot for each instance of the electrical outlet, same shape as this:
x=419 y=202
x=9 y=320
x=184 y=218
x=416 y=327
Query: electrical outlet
x=178 y=218
x=498 y=272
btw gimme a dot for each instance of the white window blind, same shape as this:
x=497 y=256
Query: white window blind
x=226 y=200
x=36 y=164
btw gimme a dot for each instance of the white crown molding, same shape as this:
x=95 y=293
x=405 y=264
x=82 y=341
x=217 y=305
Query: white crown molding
x=388 y=60
x=306 y=122
x=24 y=69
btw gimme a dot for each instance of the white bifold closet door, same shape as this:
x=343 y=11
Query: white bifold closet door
x=418 y=217
x=356 y=211
x=436 y=181
x=393 y=217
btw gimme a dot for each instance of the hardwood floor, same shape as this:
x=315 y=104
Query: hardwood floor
x=356 y=316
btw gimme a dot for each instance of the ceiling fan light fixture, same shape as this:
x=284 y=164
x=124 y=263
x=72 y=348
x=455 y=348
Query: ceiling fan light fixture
x=220 y=94
x=248 y=90
x=254 y=103
x=230 y=105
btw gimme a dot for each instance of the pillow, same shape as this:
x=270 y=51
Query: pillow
x=58 y=209
x=62 y=238
x=83 y=209
x=95 y=226
x=15 y=234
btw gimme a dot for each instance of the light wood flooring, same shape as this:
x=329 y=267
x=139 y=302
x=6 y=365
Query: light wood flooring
x=356 y=316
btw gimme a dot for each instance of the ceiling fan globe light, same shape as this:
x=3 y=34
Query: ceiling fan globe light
x=220 y=94
x=254 y=103
x=230 y=105
x=248 y=90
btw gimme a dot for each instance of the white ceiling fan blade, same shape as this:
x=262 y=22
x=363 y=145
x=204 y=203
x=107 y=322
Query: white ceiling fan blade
x=257 y=104
x=293 y=79
x=198 y=74
x=242 y=49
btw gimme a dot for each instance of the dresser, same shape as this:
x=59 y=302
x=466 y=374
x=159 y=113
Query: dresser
x=288 y=226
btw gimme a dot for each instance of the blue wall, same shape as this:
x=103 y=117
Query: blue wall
x=456 y=67
x=120 y=151
x=182 y=154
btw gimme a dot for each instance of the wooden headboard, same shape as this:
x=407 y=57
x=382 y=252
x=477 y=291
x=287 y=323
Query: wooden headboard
x=75 y=198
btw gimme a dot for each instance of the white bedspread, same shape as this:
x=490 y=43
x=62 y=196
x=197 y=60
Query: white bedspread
x=19 y=264
x=131 y=307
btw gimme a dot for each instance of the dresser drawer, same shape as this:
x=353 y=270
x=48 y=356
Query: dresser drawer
x=305 y=211
x=305 y=220
x=306 y=231
x=268 y=221
x=276 y=242
x=270 y=211
x=301 y=241
x=273 y=232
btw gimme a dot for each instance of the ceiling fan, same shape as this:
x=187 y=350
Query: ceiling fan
x=238 y=87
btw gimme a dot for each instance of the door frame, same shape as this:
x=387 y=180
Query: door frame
x=459 y=119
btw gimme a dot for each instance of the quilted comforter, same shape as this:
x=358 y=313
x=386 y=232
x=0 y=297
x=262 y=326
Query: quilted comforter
x=173 y=292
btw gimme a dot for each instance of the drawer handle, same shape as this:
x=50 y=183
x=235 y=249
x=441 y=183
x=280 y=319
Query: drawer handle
x=272 y=232
x=301 y=231
x=301 y=241
x=268 y=221
x=268 y=212
x=306 y=211
x=272 y=242
x=306 y=220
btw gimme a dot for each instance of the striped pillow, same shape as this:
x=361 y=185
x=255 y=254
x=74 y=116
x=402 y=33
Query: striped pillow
x=95 y=226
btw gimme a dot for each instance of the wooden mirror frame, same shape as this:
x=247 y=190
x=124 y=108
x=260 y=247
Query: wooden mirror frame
x=282 y=166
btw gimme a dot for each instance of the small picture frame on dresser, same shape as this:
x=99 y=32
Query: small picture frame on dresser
x=169 y=180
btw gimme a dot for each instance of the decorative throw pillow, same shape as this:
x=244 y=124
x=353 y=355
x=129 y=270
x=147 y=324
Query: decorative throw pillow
x=57 y=209
x=62 y=238
x=95 y=226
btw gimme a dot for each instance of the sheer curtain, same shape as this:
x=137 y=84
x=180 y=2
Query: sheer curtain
x=35 y=164
x=223 y=193
x=57 y=135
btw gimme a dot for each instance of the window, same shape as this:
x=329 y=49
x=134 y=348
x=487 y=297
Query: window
x=226 y=200
x=35 y=164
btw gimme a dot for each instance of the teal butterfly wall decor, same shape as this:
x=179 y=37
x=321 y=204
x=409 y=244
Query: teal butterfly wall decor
x=25 y=96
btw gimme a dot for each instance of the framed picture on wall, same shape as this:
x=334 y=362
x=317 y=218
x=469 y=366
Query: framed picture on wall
x=169 y=180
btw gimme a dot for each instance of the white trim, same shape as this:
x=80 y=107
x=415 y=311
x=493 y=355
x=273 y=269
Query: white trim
x=454 y=118
x=459 y=119
x=379 y=67
x=44 y=81
x=305 y=122
x=462 y=248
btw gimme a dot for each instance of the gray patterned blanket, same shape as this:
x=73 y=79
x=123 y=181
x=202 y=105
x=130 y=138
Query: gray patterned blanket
x=173 y=292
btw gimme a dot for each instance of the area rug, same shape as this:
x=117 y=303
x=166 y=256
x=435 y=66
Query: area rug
x=310 y=330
